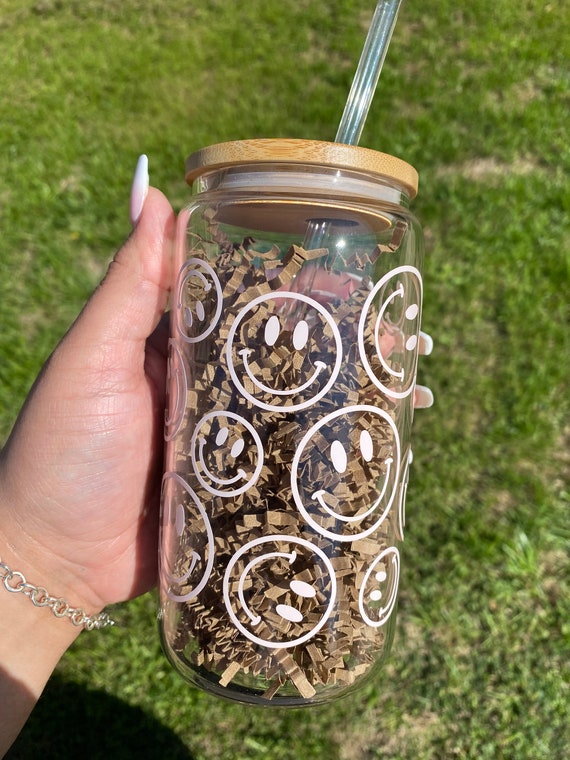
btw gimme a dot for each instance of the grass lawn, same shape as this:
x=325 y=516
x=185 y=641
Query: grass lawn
x=476 y=96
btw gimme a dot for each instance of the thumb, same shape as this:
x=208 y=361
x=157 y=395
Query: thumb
x=132 y=297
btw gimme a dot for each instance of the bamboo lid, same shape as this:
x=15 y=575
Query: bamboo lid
x=225 y=155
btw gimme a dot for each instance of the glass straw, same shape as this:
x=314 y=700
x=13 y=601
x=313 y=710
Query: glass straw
x=367 y=72
x=354 y=116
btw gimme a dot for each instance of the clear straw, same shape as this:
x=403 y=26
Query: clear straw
x=354 y=115
x=367 y=72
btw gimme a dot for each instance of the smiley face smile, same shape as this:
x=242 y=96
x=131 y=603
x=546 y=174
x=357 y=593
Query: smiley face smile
x=319 y=367
x=241 y=475
x=320 y=495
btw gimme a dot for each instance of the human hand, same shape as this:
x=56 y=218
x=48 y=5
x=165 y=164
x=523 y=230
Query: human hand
x=80 y=474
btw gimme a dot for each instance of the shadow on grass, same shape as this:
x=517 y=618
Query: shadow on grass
x=72 y=721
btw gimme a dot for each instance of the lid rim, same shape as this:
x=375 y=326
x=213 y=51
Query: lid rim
x=311 y=152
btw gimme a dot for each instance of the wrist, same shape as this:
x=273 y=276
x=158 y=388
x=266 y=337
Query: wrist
x=28 y=569
x=33 y=551
x=15 y=582
x=32 y=642
x=35 y=631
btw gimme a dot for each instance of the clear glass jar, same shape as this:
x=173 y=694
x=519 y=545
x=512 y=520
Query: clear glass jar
x=294 y=343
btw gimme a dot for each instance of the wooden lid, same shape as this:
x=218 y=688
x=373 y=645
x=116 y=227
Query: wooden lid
x=337 y=155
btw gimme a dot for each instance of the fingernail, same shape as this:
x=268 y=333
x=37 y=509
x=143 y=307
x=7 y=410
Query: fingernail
x=423 y=397
x=427 y=343
x=139 y=189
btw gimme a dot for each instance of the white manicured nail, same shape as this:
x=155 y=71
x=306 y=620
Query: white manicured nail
x=426 y=343
x=423 y=397
x=139 y=189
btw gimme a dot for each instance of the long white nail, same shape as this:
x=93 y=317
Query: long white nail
x=426 y=343
x=139 y=189
x=423 y=397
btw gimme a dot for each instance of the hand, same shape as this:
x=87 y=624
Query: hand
x=80 y=475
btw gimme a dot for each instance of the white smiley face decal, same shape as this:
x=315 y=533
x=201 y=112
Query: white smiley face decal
x=187 y=541
x=177 y=387
x=284 y=351
x=344 y=474
x=391 y=318
x=198 y=300
x=379 y=590
x=279 y=590
x=227 y=453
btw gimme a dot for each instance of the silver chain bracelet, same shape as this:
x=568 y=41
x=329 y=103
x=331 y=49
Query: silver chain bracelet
x=15 y=582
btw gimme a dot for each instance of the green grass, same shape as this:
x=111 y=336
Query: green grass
x=476 y=96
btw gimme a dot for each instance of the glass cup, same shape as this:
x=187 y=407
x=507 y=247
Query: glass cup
x=293 y=352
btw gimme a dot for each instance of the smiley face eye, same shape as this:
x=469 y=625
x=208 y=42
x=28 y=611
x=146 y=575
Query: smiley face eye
x=366 y=446
x=300 y=335
x=339 y=457
x=412 y=311
x=222 y=436
x=302 y=589
x=179 y=520
x=237 y=448
x=272 y=330
x=200 y=311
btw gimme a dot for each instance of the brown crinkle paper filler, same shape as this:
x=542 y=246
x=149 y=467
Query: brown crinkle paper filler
x=284 y=635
